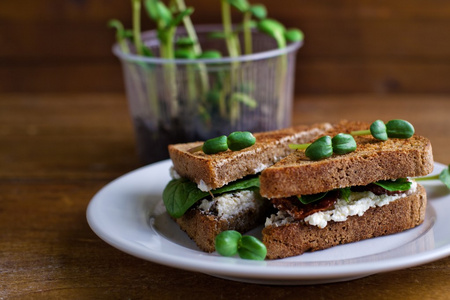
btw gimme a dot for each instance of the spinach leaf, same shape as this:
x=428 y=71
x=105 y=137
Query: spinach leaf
x=344 y=193
x=307 y=199
x=180 y=194
x=401 y=184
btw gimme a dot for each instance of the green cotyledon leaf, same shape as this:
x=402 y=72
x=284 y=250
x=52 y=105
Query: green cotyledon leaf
x=180 y=194
x=444 y=176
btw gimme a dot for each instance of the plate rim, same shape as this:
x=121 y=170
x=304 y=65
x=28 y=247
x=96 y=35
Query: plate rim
x=255 y=269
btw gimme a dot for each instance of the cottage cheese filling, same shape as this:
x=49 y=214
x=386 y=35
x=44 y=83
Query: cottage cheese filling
x=358 y=204
x=231 y=204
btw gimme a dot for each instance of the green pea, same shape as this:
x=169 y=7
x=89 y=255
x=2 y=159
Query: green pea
x=343 y=143
x=215 y=145
x=227 y=242
x=399 y=129
x=321 y=148
x=239 y=140
x=251 y=248
x=378 y=130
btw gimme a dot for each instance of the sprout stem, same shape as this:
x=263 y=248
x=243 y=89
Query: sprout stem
x=432 y=177
x=247 y=32
x=299 y=146
x=189 y=27
x=137 y=26
x=360 y=132
x=227 y=28
x=196 y=149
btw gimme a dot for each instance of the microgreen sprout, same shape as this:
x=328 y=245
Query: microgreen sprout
x=275 y=29
x=293 y=35
x=320 y=149
x=137 y=26
x=225 y=88
x=181 y=6
x=227 y=242
x=230 y=242
x=210 y=54
x=443 y=176
x=259 y=11
x=239 y=140
x=343 y=143
x=215 y=145
x=235 y=141
x=121 y=35
x=231 y=41
x=393 y=129
x=325 y=146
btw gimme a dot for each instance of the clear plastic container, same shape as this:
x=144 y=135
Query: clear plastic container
x=183 y=100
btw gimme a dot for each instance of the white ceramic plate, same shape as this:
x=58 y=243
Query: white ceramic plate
x=128 y=214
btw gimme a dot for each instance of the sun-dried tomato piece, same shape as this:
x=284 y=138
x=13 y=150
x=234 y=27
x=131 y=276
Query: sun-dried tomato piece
x=299 y=211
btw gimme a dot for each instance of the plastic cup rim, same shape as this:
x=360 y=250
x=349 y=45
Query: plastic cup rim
x=291 y=47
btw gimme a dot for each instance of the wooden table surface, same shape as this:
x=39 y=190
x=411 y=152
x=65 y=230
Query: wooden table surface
x=57 y=151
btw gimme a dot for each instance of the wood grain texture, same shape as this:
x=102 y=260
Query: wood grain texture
x=350 y=46
x=58 y=150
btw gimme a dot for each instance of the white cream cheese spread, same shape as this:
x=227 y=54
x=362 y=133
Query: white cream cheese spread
x=231 y=204
x=173 y=173
x=357 y=204
x=202 y=186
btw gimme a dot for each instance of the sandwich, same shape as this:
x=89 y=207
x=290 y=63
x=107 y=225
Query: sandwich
x=345 y=198
x=211 y=193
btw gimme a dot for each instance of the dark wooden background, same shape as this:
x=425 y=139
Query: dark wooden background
x=363 y=46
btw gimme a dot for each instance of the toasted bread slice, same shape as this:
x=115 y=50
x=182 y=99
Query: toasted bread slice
x=214 y=171
x=203 y=226
x=297 y=237
x=373 y=160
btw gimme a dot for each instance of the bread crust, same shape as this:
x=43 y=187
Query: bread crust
x=298 y=237
x=214 y=171
x=373 y=160
x=203 y=228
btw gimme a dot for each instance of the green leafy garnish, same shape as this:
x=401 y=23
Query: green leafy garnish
x=401 y=184
x=444 y=177
x=344 y=193
x=307 y=199
x=180 y=194
x=393 y=129
x=230 y=242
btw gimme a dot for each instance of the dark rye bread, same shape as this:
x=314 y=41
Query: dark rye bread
x=203 y=228
x=298 y=237
x=373 y=160
x=214 y=171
